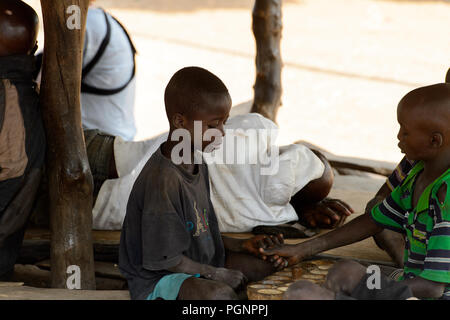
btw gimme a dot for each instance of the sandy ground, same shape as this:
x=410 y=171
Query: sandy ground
x=347 y=62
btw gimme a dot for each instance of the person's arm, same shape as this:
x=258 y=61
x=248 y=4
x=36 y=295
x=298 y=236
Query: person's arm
x=318 y=189
x=233 y=278
x=393 y=181
x=232 y=244
x=16 y=214
x=356 y=230
x=252 y=246
x=382 y=193
x=315 y=209
x=423 y=288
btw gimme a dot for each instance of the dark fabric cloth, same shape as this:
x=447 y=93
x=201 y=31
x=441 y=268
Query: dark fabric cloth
x=9 y=252
x=389 y=290
x=18 y=69
x=169 y=214
x=100 y=151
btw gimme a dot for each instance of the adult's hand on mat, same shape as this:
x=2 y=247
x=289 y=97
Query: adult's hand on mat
x=328 y=213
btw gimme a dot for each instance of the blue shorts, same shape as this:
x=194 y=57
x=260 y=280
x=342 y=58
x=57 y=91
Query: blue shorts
x=168 y=286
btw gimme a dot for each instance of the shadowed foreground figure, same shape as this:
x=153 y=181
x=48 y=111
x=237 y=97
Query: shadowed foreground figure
x=22 y=138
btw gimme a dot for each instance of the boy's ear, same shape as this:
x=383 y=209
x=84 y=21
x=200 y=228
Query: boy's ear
x=436 y=140
x=178 y=120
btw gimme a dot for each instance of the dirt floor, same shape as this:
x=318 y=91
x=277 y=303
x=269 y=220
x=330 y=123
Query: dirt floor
x=347 y=62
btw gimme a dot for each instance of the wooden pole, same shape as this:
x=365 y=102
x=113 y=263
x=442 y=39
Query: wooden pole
x=267 y=27
x=70 y=179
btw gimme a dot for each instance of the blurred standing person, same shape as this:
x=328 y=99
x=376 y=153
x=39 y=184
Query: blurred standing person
x=108 y=79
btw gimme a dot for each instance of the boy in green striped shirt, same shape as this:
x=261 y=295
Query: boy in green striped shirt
x=419 y=208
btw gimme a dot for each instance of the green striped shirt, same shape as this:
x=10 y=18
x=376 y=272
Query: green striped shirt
x=427 y=227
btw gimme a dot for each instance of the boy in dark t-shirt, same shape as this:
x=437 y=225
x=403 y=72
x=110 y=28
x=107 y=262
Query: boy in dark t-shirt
x=170 y=245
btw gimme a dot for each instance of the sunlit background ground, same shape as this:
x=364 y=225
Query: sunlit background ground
x=347 y=62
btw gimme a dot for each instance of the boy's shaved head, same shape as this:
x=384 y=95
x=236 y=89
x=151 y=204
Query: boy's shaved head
x=191 y=90
x=433 y=104
x=424 y=118
x=18 y=27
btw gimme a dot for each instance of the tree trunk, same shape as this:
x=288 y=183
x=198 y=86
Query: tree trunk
x=267 y=27
x=69 y=176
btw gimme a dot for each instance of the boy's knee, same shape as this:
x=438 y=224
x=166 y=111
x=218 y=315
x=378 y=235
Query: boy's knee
x=299 y=290
x=347 y=263
x=203 y=289
x=306 y=290
x=344 y=276
x=221 y=291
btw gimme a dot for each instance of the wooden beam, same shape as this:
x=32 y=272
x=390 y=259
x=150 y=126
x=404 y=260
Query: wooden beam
x=69 y=176
x=267 y=27
x=37 y=277
x=29 y=293
x=36 y=246
x=102 y=269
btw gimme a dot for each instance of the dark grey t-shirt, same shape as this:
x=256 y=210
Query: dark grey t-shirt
x=169 y=214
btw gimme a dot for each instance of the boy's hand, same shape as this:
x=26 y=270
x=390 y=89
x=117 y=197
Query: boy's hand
x=253 y=245
x=293 y=254
x=234 y=278
x=279 y=263
x=328 y=213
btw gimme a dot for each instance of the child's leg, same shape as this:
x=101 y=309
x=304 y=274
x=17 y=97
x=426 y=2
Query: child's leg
x=306 y=290
x=254 y=268
x=203 y=289
x=348 y=279
x=344 y=276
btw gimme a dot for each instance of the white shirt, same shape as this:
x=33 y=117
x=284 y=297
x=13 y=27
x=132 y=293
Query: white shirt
x=241 y=196
x=113 y=114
